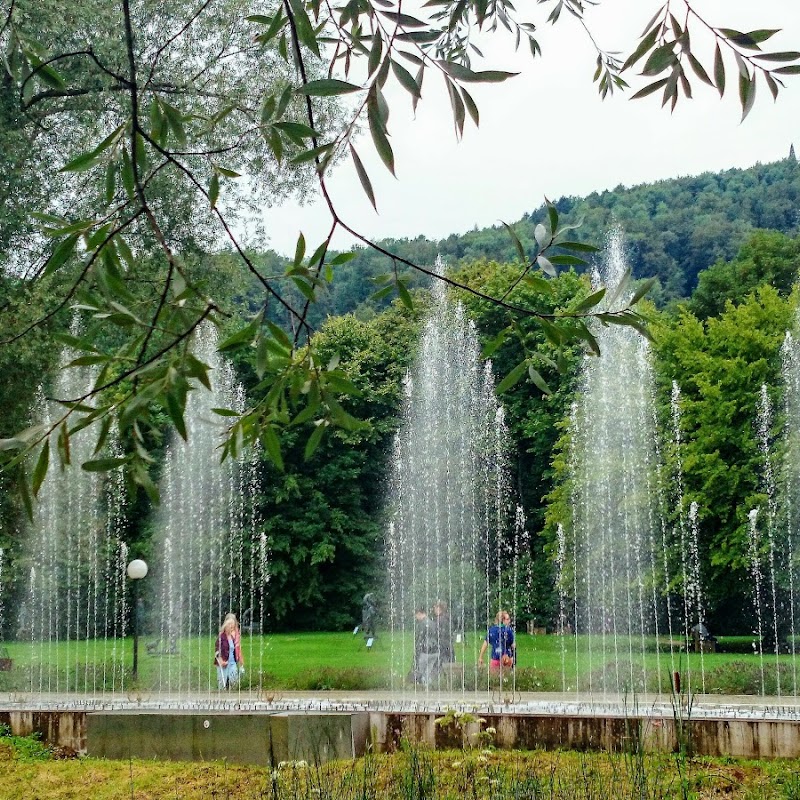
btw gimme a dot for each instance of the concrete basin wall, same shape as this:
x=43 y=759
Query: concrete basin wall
x=244 y=738
x=268 y=738
x=741 y=738
x=59 y=728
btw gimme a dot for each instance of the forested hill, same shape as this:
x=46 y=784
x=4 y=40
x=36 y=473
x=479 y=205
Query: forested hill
x=674 y=229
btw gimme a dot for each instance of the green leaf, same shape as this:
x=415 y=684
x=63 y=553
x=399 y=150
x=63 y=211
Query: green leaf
x=314 y=440
x=341 y=258
x=700 y=70
x=227 y=173
x=275 y=24
x=493 y=344
x=567 y=261
x=642 y=290
x=110 y=184
x=366 y=184
x=127 y=175
x=175 y=409
x=457 y=106
x=660 y=59
x=650 y=89
x=225 y=412
x=719 y=71
x=517 y=243
x=375 y=53
x=51 y=78
x=405 y=296
x=582 y=332
x=538 y=380
x=404 y=20
x=581 y=247
x=551 y=332
x=552 y=216
x=461 y=73
x=296 y=131
x=513 y=377
x=24 y=492
x=405 y=79
x=792 y=55
x=644 y=46
x=272 y=444
x=89 y=361
x=213 y=190
x=591 y=301
x=749 y=40
x=244 y=336
x=538 y=284
x=471 y=107
x=328 y=87
x=40 y=470
x=103 y=464
x=82 y=162
x=61 y=254
x=341 y=384
x=299 y=250
x=279 y=334
x=794 y=69
x=379 y=138
x=302 y=24
x=312 y=154
x=418 y=37
x=747 y=93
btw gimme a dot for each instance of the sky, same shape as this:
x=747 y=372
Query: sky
x=547 y=133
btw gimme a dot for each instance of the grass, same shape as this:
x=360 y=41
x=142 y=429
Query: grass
x=413 y=773
x=315 y=661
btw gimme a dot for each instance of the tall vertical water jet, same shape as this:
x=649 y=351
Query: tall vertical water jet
x=693 y=589
x=450 y=533
x=754 y=556
x=71 y=548
x=790 y=368
x=206 y=541
x=764 y=431
x=2 y=594
x=615 y=515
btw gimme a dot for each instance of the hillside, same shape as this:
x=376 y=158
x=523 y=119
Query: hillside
x=674 y=229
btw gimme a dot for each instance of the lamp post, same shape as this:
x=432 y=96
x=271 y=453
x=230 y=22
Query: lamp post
x=137 y=569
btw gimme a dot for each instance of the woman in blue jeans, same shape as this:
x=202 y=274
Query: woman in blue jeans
x=228 y=653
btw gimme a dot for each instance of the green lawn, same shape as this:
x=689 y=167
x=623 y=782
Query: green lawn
x=303 y=661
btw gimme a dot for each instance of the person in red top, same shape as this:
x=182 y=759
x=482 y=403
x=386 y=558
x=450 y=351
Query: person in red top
x=228 y=653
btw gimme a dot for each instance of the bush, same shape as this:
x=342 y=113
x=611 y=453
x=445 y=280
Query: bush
x=23 y=748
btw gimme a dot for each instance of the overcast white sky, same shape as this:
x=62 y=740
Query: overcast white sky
x=547 y=133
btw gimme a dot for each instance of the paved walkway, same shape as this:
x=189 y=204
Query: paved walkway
x=520 y=703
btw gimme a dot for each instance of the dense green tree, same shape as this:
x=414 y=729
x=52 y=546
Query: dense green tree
x=767 y=257
x=720 y=365
x=323 y=516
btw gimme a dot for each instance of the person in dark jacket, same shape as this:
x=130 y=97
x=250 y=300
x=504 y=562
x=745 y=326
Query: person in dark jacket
x=426 y=650
x=444 y=632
